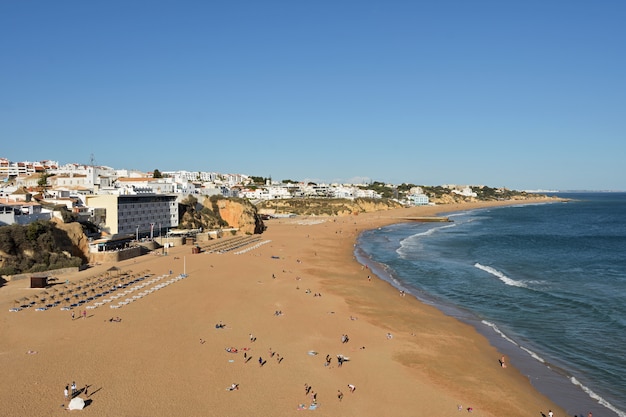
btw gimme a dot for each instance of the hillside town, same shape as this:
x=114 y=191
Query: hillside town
x=122 y=201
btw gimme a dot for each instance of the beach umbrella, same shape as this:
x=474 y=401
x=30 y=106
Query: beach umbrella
x=76 y=403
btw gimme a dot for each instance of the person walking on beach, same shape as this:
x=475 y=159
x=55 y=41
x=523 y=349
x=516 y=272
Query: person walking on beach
x=351 y=388
x=66 y=392
x=339 y=395
x=73 y=388
x=73 y=315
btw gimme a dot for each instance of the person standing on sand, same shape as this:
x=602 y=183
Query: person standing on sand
x=502 y=363
x=550 y=413
x=72 y=315
x=66 y=392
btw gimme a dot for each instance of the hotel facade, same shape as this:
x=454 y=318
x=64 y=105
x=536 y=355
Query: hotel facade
x=133 y=214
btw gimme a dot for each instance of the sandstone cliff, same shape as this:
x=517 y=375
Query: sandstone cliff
x=40 y=246
x=326 y=207
x=460 y=199
x=217 y=212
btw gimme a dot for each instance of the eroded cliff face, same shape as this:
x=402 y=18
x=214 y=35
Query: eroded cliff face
x=80 y=242
x=241 y=214
x=460 y=199
x=215 y=213
x=326 y=207
x=42 y=245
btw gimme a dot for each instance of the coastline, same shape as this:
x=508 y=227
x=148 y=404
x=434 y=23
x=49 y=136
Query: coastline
x=546 y=375
x=152 y=363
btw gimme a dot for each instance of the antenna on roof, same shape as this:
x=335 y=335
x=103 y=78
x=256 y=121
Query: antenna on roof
x=92 y=160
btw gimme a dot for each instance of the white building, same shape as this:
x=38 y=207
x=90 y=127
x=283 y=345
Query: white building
x=21 y=212
x=418 y=199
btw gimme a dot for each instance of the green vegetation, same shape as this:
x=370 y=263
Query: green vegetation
x=196 y=216
x=34 y=248
x=326 y=206
x=259 y=180
x=483 y=193
x=157 y=174
x=43 y=180
x=488 y=193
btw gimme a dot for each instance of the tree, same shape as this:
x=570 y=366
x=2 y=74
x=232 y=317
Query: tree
x=43 y=179
x=157 y=174
x=257 y=180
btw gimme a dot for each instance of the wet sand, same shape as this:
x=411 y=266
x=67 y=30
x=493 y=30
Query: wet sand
x=166 y=357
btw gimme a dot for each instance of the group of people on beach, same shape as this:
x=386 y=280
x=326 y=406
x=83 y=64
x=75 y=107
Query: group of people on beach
x=68 y=395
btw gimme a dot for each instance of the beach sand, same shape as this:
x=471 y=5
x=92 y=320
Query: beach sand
x=166 y=357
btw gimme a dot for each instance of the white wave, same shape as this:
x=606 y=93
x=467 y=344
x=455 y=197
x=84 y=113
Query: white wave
x=508 y=339
x=502 y=335
x=533 y=354
x=572 y=379
x=411 y=240
x=596 y=397
x=501 y=276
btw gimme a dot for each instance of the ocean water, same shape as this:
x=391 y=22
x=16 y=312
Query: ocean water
x=545 y=283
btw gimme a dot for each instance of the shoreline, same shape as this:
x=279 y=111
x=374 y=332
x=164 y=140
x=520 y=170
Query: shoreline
x=545 y=375
x=151 y=362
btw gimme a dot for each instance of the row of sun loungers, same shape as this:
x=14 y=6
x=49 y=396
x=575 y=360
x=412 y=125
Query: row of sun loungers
x=117 y=295
x=252 y=247
x=231 y=244
x=137 y=292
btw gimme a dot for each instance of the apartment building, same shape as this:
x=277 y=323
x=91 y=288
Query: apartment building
x=139 y=214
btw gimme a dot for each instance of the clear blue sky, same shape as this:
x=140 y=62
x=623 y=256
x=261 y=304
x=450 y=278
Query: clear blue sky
x=521 y=94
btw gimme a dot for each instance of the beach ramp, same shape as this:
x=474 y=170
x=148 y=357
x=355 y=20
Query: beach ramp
x=76 y=404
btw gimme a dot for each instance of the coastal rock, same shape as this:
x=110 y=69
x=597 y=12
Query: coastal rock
x=241 y=214
x=218 y=212
x=326 y=207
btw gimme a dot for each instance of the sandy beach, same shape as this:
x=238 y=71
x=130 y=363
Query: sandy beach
x=286 y=306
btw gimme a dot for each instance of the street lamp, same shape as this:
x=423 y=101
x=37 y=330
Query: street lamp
x=137 y=234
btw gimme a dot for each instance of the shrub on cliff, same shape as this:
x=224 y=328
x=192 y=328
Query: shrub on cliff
x=38 y=246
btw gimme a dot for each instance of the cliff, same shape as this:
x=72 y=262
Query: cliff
x=218 y=212
x=460 y=199
x=41 y=246
x=326 y=207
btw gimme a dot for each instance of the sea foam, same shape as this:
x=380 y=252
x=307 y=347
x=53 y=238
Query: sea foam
x=501 y=276
x=598 y=398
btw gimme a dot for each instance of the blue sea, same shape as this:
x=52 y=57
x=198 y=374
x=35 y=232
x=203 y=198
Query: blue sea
x=545 y=283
